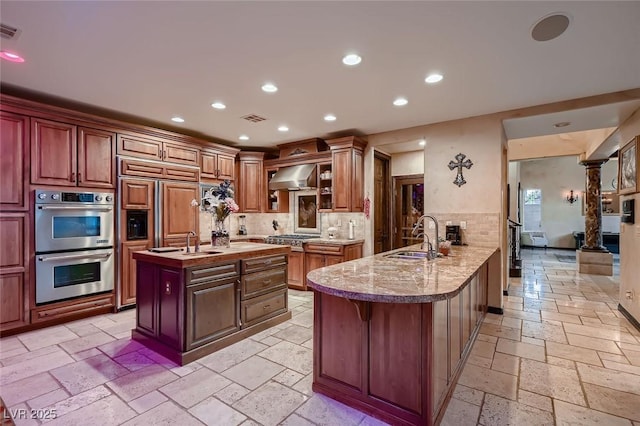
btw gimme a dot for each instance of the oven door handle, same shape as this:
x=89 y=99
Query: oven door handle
x=74 y=256
x=96 y=208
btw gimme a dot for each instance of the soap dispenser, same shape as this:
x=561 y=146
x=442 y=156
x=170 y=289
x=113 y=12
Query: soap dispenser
x=351 y=229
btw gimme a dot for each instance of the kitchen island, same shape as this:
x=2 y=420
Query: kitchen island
x=392 y=331
x=192 y=304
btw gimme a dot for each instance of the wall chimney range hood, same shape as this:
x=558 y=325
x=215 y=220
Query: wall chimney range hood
x=293 y=178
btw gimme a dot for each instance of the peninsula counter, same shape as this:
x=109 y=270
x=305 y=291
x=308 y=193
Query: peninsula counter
x=192 y=304
x=391 y=335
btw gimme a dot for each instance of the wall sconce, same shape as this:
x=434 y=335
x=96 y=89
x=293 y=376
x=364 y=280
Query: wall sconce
x=572 y=198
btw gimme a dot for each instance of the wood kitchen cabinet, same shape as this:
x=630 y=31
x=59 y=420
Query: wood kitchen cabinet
x=319 y=255
x=68 y=155
x=14 y=158
x=250 y=181
x=14 y=271
x=216 y=166
x=275 y=201
x=178 y=216
x=295 y=271
x=347 y=155
x=157 y=149
x=187 y=312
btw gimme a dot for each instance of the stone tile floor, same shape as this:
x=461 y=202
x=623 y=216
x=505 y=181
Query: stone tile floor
x=560 y=354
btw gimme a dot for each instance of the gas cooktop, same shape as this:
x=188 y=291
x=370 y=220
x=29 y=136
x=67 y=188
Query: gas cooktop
x=289 y=239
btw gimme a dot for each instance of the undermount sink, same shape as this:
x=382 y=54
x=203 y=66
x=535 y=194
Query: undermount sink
x=408 y=255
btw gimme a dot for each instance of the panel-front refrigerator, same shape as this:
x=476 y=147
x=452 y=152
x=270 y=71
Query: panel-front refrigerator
x=151 y=213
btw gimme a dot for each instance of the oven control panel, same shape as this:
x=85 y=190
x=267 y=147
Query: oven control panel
x=55 y=197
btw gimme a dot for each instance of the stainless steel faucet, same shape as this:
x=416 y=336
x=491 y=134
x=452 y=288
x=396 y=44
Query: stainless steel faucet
x=197 y=247
x=426 y=244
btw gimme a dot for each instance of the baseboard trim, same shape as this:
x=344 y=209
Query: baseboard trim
x=497 y=311
x=628 y=316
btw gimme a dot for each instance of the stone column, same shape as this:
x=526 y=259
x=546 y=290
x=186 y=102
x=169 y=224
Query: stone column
x=593 y=257
x=593 y=202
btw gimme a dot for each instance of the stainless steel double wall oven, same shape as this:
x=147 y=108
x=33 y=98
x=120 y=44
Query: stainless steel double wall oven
x=74 y=240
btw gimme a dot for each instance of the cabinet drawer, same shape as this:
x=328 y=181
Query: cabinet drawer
x=262 y=307
x=140 y=168
x=323 y=248
x=94 y=306
x=262 y=282
x=211 y=272
x=260 y=263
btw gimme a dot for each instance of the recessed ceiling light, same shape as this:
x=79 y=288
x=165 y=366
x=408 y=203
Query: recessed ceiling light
x=422 y=142
x=10 y=56
x=177 y=119
x=243 y=137
x=283 y=129
x=400 y=102
x=550 y=27
x=562 y=124
x=433 y=78
x=329 y=117
x=351 y=59
x=269 y=88
x=218 y=105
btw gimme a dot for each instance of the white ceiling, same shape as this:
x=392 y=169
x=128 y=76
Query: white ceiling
x=158 y=59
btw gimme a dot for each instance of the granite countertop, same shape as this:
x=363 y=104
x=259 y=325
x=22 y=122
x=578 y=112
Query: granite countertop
x=393 y=280
x=209 y=254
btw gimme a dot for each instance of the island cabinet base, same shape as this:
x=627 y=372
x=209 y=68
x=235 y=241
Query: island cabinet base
x=398 y=362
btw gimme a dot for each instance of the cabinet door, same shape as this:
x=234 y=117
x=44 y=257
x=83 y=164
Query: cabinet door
x=12 y=304
x=182 y=154
x=314 y=261
x=332 y=260
x=357 y=182
x=53 y=153
x=295 y=270
x=127 y=290
x=212 y=311
x=178 y=216
x=170 y=320
x=342 y=180
x=139 y=147
x=208 y=165
x=226 y=167
x=250 y=186
x=137 y=194
x=14 y=157
x=96 y=158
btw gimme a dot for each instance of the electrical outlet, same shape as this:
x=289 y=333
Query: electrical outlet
x=463 y=224
x=339 y=223
x=432 y=225
x=449 y=223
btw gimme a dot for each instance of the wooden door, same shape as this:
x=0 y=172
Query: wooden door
x=226 y=167
x=139 y=147
x=250 y=186
x=182 y=154
x=204 y=323
x=314 y=261
x=382 y=205
x=137 y=194
x=178 y=216
x=295 y=271
x=208 y=166
x=14 y=252
x=14 y=157
x=96 y=158
x=341 y=180
x=53 y=153
x=127 y=291
x=409 y=206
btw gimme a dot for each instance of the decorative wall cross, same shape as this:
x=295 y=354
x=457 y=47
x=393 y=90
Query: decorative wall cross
x=460 y=164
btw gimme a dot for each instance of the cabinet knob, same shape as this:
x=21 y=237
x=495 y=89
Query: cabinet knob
x=79 y=177
x=167 y=288
x=73 y=177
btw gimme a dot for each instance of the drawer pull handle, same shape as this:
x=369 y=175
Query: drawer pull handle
x=266 y=282
x=267 y=262
x=266 y=306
